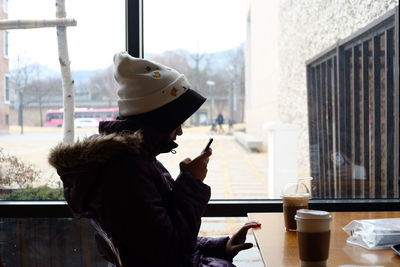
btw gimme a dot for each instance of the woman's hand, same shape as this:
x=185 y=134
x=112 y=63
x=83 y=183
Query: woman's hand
x=237 y=242
x=198 y=166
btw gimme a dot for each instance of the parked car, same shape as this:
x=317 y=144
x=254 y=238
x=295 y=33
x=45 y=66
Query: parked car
x=86 y=122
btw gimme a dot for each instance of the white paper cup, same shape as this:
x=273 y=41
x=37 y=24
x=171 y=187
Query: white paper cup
x=313 y=236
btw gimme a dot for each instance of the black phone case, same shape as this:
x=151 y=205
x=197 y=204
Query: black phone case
x=396 y=248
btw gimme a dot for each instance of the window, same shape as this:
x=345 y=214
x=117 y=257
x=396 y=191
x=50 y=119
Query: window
x=211 y=56
x=6 y=88
x=255 y=77
x=5 y=43
x=33 y=85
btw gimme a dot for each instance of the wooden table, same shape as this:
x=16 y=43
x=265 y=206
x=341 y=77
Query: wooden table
x=279 y=248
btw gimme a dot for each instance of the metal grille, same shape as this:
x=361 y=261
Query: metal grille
x=353 y=110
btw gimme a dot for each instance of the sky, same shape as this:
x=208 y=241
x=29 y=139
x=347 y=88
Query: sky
x=100 y=32
x=193 y=25
x=196 y=25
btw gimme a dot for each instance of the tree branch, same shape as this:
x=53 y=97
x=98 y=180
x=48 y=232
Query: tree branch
x=6 y=24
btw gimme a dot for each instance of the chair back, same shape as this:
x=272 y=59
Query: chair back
x=105 y=245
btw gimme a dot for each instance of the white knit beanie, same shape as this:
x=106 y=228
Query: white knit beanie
x=145 y=85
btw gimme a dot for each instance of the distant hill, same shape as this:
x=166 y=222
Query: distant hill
x=82 y=76
x=43 y=72
x=36 y=71
x=220 y=59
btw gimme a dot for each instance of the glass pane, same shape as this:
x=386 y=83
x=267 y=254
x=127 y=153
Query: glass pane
x=30 y=122
x=335 y=121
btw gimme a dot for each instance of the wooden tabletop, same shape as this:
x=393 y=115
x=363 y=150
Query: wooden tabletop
x=279 y=248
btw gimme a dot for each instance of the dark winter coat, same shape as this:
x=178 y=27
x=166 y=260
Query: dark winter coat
x=152 y=219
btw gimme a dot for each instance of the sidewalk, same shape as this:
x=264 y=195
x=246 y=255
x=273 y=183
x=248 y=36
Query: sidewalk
x=233 y=172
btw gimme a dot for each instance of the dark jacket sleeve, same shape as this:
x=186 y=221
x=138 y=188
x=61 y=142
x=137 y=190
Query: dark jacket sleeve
x=191 y=197
x=213 y=247
x=166 y=220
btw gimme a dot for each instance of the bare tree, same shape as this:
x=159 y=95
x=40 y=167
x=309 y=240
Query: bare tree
x=175 y=59
x=194 y=66
x=19 y=81
x=236 y=85
x=43 y=91
x=221 y=81
x=29 y=88
x=104 y=87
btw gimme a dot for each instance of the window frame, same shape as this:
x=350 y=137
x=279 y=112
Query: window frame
x=134 y=27
x=216 y=208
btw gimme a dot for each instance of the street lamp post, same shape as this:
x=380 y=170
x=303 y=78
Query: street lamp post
x=232 y=102
x=21 y=110
x=211 y=85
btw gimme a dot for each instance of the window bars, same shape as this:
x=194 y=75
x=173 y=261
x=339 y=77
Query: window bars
x=353 y=107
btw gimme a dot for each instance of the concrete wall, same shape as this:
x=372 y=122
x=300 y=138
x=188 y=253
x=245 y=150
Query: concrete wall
x=283 y=35
x=262 y=66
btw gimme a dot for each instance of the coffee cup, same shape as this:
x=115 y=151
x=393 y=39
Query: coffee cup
x=313 y=236
x=295 y=196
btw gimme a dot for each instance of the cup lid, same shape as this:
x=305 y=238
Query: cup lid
x=306 y=214
x=298 y=189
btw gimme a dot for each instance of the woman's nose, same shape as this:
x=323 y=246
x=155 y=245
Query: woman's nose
x=179 y=131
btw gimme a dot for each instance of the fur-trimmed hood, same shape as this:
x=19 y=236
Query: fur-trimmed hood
x=95 y=149
x=79 y=165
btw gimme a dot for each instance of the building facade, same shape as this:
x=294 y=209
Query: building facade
x=4 y=70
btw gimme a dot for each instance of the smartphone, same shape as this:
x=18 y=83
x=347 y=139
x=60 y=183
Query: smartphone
x=396 y=248
x=208 y=144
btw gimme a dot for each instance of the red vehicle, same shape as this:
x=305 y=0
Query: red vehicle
x=54 y=117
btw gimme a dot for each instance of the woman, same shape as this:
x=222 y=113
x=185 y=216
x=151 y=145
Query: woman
x=115 y=179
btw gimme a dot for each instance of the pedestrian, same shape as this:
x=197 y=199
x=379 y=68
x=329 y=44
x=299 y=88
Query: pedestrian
x=220 y=120
x=115 y=179
x=213 y=127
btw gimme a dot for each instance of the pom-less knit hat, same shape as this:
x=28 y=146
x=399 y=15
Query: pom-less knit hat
x=157 y=96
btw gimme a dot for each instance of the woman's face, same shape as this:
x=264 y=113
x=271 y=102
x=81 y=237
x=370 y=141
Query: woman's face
x=176 y=132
